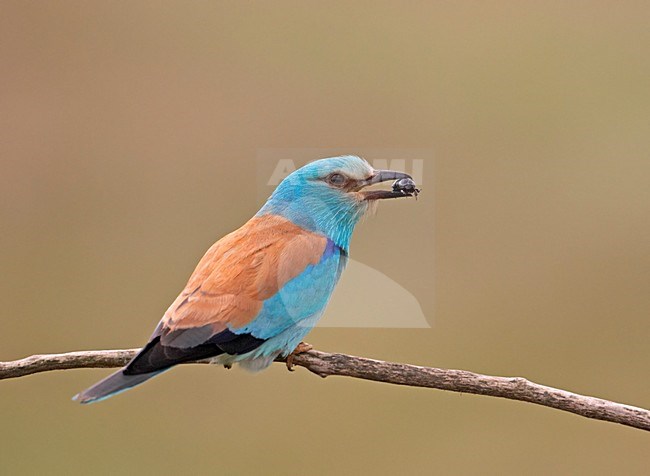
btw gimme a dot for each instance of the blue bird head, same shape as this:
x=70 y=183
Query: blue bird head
x=327 y=196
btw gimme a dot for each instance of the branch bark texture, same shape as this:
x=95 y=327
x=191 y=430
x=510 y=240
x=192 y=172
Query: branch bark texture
x=324 y=365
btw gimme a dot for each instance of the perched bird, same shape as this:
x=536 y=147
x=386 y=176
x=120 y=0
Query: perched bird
x=260 y=289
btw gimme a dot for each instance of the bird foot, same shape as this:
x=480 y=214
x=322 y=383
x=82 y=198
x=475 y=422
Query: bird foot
x=227 y=366
x=300 y=349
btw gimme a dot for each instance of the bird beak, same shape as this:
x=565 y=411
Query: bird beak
x=382 y=176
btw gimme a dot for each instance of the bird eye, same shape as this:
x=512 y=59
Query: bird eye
x=336 y=179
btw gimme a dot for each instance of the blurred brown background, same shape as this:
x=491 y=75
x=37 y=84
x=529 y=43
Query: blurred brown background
x=129 y=138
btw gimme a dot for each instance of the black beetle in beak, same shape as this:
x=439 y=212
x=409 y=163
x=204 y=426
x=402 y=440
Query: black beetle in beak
x=404 y=186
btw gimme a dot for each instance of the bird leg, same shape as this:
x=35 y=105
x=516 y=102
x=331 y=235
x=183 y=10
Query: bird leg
x=300 y=349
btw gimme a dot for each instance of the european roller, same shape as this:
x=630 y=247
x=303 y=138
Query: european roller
x=259 y=290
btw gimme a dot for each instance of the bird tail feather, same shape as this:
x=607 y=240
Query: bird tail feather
x=112 y=385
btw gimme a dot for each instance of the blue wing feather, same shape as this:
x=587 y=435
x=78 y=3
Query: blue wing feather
x=302 y=298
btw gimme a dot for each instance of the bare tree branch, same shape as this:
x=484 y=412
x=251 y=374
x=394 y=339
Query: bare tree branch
x=324 y=364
